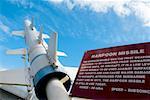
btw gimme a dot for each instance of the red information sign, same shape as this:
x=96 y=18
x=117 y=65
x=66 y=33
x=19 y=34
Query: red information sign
x=116 y=72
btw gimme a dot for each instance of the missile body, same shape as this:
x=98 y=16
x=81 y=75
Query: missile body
x=45 y=71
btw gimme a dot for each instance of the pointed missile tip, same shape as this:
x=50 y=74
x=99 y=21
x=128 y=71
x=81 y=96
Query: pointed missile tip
x=27 y=22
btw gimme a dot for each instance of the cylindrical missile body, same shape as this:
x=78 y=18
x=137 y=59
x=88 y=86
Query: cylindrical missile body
x=56 y=91
x=45 y=75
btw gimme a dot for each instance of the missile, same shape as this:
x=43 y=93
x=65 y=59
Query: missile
x=49 y=80
x=40 y=35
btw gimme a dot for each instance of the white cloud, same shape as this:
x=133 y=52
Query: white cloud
x=55 y=1
x=69 y=3
x=23 y=3
x=139 y=8
x=2 y=69
x=142 y=10
x=104 y=5
x=4 y=27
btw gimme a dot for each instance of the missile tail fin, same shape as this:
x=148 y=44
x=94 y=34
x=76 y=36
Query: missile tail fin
x=52 y=47
x=21 y=51
x=18 y=33
x=59 y=53
x=45 y=36
x=40 y=34
x=32 y=23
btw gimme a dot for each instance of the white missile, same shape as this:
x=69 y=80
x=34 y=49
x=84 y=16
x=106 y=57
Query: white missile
x=50 y=81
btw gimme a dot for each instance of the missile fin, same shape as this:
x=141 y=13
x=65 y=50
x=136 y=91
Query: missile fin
x=40 y=37
x=21 y=51
x=18 y=33
x=45 y=36
x=32 y=23
x=40 y=34
x=52 y=47
x=59 y=53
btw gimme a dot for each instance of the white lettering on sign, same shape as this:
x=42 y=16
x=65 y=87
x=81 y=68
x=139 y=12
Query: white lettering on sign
x=120 y=53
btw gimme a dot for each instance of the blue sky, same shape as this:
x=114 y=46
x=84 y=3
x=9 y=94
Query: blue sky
x=82 y=25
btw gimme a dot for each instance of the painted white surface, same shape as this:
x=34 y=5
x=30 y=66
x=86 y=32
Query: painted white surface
x=16 y=76
x=21 y=91
x=18 y=91
x=56 y=91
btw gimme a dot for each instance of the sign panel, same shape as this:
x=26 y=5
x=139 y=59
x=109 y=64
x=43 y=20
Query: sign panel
x=116 y=72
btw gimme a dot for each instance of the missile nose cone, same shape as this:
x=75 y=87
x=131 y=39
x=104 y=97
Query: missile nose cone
x=27 y=22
